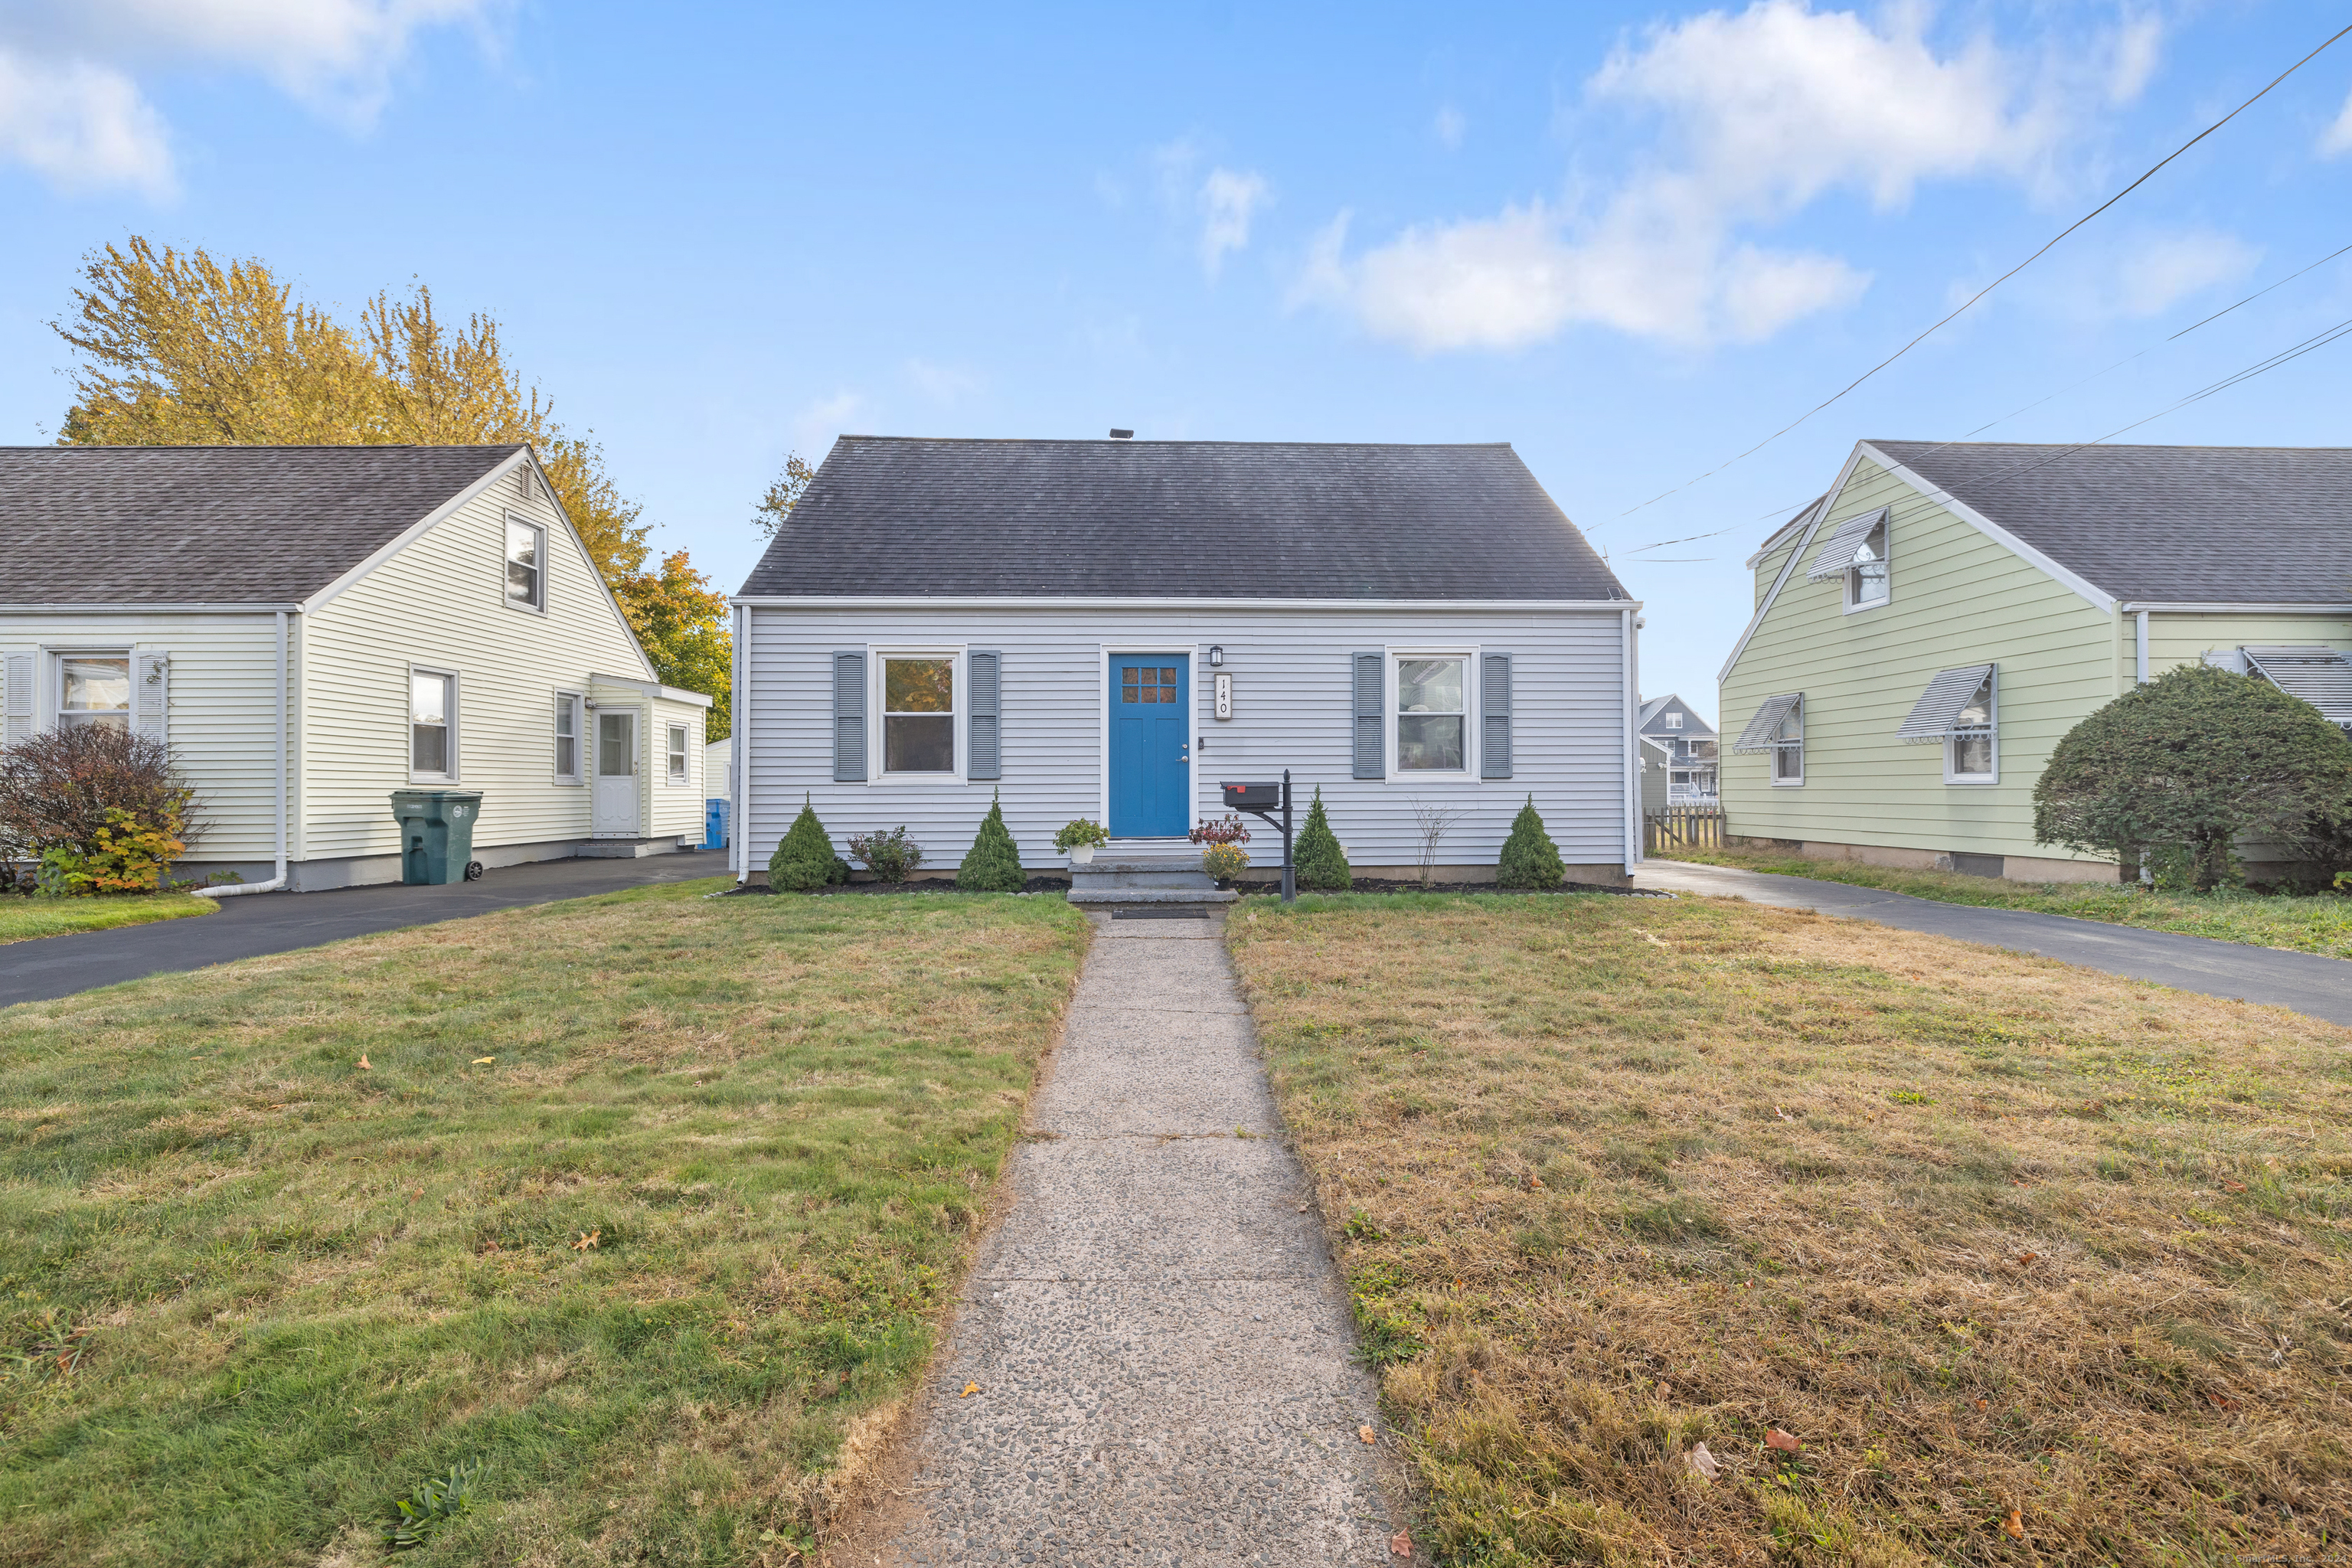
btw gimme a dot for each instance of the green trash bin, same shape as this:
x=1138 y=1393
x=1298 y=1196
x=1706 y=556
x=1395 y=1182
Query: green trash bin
x=437 y=832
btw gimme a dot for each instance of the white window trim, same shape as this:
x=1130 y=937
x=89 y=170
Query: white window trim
x=876 y=654
x=506 y=598
x=578 y=777
x=1674 y=719
x=1104 y=654
x=685 y=755
x=1772 y=756
x=1952 y=745
x=1849 y=578
x=456 y=775
x=1472 y=728
x=49 y=694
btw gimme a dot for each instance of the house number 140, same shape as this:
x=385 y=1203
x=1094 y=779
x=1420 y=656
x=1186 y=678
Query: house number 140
x=1224 y=695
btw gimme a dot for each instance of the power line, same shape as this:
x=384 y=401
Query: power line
x=1996 y=283
x=1778 y=512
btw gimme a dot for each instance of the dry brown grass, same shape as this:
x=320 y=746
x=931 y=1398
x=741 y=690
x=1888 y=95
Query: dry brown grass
x=1611 y=1178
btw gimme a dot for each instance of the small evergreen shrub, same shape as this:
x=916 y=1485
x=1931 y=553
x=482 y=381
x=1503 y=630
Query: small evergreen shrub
x=993 y=865
x=1316 y=861
x=804 y=858
x=1530 y=859
x=889 y=856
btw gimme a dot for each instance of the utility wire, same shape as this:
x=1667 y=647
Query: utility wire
x=1780 y=512
x=1996 y=283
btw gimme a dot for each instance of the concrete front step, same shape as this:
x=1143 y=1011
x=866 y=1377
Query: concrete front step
x=1207 y=894
x=1116 y=865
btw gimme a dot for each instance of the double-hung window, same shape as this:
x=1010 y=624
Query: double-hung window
x=1674 y=719
x=94 y=688
x=1865 y=581
x=1789 y=746
x=432 y=725
x=1971 y=752
x=676 y=753
x=526 y=565
x=567 y=737
x=1433 y=724
x=918 y=714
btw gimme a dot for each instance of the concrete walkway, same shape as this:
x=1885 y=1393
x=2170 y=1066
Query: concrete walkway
x=257 y=923
x=2305 y=982
x=1159 y=1338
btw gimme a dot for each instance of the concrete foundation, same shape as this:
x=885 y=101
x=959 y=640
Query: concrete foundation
x=368 y=870
x=2009 y=868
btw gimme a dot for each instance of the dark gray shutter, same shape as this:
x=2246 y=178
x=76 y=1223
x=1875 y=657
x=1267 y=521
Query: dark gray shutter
x=849 y=717
x=981 y=670
x=1371 y=747
x=1495 y=702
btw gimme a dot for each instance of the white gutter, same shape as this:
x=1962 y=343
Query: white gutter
x=2141 y=606
x=123 y=609
x=1109 y=602
x=279 y=880
x=1629 y=650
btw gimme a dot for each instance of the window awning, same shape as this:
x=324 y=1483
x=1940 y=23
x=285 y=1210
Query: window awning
x=1938 y=711
x=1837 y=556
x=1766 y=726
x=2321 y=675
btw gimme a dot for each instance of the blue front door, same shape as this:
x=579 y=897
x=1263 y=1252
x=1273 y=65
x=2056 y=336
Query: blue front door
x=1151 y=736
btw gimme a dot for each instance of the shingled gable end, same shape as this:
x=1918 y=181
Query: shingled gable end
x=942 y=622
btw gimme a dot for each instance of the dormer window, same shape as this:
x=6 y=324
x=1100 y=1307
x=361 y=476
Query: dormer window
x=526 y=565
x=1674 y=721
x=1855 y=554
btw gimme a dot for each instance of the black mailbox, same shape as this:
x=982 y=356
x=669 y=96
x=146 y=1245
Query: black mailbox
x=1253 y=796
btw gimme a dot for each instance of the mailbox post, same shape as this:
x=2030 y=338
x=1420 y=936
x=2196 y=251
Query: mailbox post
x=1260 y=800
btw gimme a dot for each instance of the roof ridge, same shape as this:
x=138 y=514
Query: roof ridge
x=2098 y=446
x=1161 y=441
x=265 y=447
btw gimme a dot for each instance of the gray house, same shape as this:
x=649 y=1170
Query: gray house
x=1110 y=630
x=1690 y=744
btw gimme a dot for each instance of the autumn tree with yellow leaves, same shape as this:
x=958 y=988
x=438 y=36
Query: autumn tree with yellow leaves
x=181 y=350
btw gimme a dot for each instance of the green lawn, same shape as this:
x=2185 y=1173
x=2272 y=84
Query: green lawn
x=2312 y=922
x=2025 y=1264
x=276 y=1247
x=22 y=919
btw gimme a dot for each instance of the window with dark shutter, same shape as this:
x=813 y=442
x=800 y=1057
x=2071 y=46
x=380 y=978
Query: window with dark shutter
x=849 y=717
x=1495 y=705
x=1370 y=734
x=987 y=760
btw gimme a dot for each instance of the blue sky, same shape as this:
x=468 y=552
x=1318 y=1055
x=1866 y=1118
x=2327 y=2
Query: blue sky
x=1631 y=240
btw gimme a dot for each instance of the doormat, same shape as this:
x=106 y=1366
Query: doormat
x=1165 y=912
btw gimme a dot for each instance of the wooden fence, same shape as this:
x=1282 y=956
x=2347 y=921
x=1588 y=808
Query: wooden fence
x=1684 y=827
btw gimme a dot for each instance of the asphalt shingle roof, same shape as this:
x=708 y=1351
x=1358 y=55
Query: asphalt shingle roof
x=1282 y=519
x=200 y=525
x=2179 y=525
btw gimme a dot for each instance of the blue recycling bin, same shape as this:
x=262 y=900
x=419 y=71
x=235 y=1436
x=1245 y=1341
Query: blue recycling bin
x=714 y=823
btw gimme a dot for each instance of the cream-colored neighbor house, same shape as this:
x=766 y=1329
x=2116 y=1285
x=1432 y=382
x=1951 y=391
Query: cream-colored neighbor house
x=309 y=629
x=1927 y=632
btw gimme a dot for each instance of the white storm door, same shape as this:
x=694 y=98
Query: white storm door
x=615 y=807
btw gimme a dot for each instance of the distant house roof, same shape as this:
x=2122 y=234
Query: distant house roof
x=1655 y=705
x=199 y=525
x=2178 y=524
x=1281 y=520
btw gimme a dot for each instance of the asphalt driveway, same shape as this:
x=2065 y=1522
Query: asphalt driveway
x=257 y=923
x=2305 y=982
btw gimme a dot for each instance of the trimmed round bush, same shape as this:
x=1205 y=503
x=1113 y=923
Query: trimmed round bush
x=993 y=865
x=1530 y=859
x=1316 y=861
x=804 y=859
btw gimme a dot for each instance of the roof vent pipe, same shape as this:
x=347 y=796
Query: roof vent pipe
x=1122 y=434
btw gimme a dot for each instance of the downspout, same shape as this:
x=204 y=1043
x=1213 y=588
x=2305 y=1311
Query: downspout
x=277 y=882
x=2142 y=618
x=1628 y=651
x=740 y=747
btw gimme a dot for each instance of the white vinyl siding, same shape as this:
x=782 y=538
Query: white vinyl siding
x=1292 y=707
x=221 y=718
x=439 y=601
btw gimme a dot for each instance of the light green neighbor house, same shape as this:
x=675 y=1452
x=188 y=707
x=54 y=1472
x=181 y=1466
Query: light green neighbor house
x=1926 y=632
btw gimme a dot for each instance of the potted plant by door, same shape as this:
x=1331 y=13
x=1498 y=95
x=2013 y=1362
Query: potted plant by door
x=1079 y=840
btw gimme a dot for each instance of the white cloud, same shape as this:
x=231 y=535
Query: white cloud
x=2135 y=51
x=814 y=427
x=942 y=383
x=71 y=108
x=81 y=127
x=1228 y=199
x=2337 y=139
x=2162 y=271
x=1757 y=115
x=1449 y=127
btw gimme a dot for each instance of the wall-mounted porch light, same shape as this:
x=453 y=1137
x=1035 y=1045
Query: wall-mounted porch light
x=1216 y=655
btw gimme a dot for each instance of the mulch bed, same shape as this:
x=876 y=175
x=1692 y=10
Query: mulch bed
x=1390 y=885
x=942 y=884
